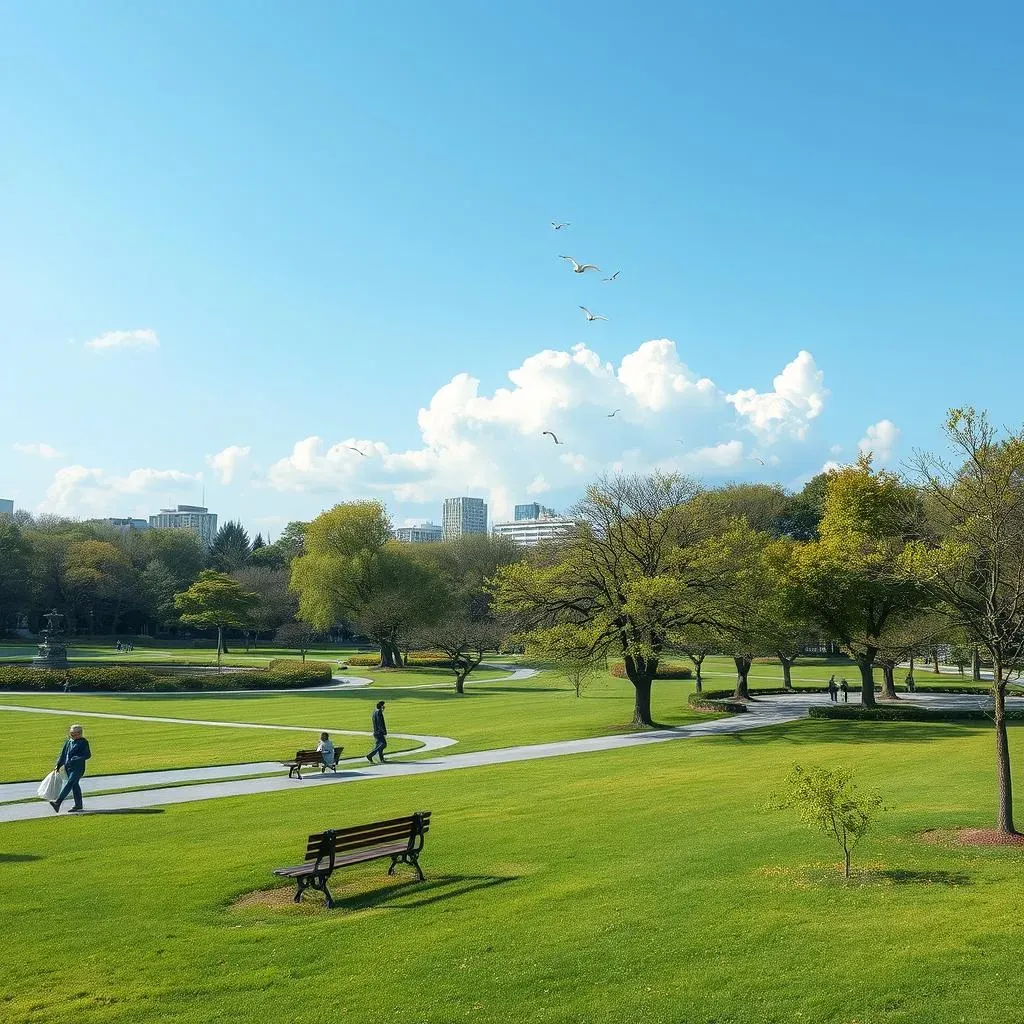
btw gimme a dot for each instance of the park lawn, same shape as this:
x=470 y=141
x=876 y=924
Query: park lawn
x=645 y=885
x=238 y=656
x=504 y=713
x=29 y=744
x=394 y=678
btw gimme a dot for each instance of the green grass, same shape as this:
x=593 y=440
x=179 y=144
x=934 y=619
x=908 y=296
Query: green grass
x=643 y=885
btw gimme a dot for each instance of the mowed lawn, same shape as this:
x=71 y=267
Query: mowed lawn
x=642 y=885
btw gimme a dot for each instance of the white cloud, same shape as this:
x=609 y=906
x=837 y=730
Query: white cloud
x=226 y=462
x=80 y=491
x=37 y=449
x=493 y=444
x=144 y=337
x=880 y=439
x=829 y=467
x=798 y=395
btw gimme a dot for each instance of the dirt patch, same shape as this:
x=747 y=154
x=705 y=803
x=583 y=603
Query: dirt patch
x=971 y=837
x=276 y=899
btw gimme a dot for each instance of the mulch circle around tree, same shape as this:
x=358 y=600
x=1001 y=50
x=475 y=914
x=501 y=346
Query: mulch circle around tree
x=972 y=837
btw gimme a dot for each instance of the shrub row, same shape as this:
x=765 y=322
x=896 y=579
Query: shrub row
x=428 y=659
x=290 y=664
x=125 y=680
x=618 y=670
x=889 y=713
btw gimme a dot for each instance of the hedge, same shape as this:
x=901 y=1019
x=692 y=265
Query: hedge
x=127 y=680
x=287 y=664
x=426 y=660
x=618 y=670
x=890 y=713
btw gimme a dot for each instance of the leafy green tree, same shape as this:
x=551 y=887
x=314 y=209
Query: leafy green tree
x=697 y=643
x=856 y=583
x=95 y=574
x=762 y=506
x=465 y=565
x=465 y=641
x=297 y=634
x=230 y=549
x=828 y=800
x=159 y=585
x=971 y=555
x=258 y=542
x=180 y=551
x=800 y=518
x=277 y=603
x=215 y=601
x=14 y=571
x=642 y=565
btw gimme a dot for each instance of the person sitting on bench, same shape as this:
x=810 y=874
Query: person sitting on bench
x=325 y=748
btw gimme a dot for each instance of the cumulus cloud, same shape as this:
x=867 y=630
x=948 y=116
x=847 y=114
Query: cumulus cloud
x=225 y=463
x=36 y=449
x=82 y=491
x=143 y=337
x=669 y=417
x=880 y=439
x=797 y=397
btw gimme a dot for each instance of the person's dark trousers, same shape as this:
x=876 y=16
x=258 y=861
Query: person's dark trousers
x=71 y=786
x=846 y=698
x=381 y=743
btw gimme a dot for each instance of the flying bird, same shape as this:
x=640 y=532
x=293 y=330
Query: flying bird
x=351 y=449
x=757 y=458
x=551 y=435
x=580 y=268
x=558 y=227
x=613 y=412
x=592 y=316
x=612 y=278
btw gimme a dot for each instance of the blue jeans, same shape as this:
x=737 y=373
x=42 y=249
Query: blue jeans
x=71 y=786
x=381 y=743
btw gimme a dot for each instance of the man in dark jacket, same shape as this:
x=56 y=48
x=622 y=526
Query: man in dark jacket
x=380 y=733
x=73 y=756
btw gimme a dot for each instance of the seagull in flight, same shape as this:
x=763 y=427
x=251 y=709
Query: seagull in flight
x=612 y=278
x=580 y=268
x=558 y=227
x=613 y=412
x=351 y=449
x=757 y=458
x=551 y=435
x=592 y=316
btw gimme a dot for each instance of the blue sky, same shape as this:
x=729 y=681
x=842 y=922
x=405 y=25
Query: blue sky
x=314 y=221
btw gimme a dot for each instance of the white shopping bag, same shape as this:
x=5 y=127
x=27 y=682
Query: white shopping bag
x=50 y=787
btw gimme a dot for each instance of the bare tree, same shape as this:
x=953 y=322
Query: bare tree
x=465 y=642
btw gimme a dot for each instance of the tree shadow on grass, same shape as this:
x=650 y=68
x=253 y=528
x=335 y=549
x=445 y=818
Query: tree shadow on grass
x=823 y=730
x=900 y=876
x=410 y=894
x=17 y=858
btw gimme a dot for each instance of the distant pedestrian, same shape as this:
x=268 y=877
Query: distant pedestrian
x=380 y=733
x=911 y=685
x=844 y=686
x=325 y=748
x=833 y=690
x=117 y=647
x=73 y=756
x=67 y=682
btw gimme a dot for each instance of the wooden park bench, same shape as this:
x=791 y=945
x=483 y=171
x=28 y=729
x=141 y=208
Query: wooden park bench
x=400 y=839
x=310 y=759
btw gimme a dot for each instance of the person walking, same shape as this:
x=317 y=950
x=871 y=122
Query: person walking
x=380 y=733
x=911 y=685
x=845 y=690
x=73 y=756
x=325 y=748
x=833 y=690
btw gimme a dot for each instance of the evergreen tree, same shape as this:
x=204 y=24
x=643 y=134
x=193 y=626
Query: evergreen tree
x=230 y=550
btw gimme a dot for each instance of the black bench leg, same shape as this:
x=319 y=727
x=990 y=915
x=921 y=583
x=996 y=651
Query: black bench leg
x=300 y=886
x=406 y=858
x=415 y=862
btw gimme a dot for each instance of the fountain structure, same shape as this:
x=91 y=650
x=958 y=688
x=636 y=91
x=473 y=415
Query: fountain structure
x=52 y=651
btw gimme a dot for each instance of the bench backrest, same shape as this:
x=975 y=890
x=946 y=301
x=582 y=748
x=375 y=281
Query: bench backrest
x=328 y=845
x=307 y=755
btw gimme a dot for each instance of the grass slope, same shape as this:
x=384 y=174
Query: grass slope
x=642 y=885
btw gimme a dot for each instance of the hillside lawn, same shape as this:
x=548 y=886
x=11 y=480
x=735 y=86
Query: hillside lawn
x=641 y=885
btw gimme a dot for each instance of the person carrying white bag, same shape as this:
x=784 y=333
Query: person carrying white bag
x=50 y=787
x=73 y=756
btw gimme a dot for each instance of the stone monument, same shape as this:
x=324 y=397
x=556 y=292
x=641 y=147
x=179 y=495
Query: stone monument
x=52 y=652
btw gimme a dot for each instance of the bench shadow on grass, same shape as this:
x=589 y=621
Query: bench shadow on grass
x=409 y=894
x=18 y=858
x=900 y=876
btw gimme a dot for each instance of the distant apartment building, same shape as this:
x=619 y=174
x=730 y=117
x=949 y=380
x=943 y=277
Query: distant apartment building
x=422 y=534
x=6 y=506
x=125 y=524
x=531 y=532
x=463 y=515
x=531 y=510
x=196 y=518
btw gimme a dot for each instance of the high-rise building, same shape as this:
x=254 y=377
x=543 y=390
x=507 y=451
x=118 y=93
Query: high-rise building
x=126 y=523
x=422 y=534
x=196 y=518
x=531 y=532
x=463 y=515
x=531 y=510
x=6 y=506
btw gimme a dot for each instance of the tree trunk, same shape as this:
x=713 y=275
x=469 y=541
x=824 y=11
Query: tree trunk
x=867 y=681
x=976 y=665
x=397 y=655
x=935 y=661
x=697 y=663
x=220 y=644
x=460 y=681
x=889 y=682
x=1005 y=783
x=787 y=670
x=303 y=657
x=742 y=662
x=387 y=656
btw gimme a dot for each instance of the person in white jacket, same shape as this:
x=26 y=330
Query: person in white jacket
x=325 y=748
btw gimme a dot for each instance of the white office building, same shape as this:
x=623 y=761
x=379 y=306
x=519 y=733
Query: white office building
x=463 y=515
x=188 y=517
x=425 y=533
x=531 y=532
x=126 y=523
x=6 y=506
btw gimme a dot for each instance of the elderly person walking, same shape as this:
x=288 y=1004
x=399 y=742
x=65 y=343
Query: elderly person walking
x=380 y=733
x=73 y=756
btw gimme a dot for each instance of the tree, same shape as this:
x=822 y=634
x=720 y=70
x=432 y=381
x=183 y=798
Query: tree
x=465 y=564
x=159 y=586
x=230 y=549
x=971 y=555
x=180 y=551
x=14 y=571
x=215 y=601
x=277 y=603
x=828 y=800
x=297 y=634
x=562 y=651
x=257 y=543
x=855 y=583
x=465 y=641
x=641 y=566
x=95 y=573
x=763 y=506
x=697 y=642
x=800 y=518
